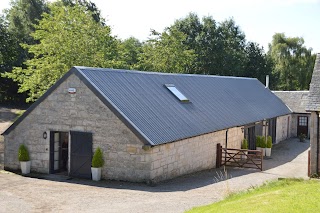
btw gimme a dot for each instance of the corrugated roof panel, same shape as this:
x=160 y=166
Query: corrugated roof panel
x=215 y=102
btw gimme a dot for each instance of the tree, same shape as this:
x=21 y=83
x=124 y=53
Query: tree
x=165 y=52
x=257 y=65
x=96 y=14
x=232 y=54
x=8 y=55
x=130 y=49
x=220 y=47
x=293 y=62
x=68 y=36
x=21 y=18
x=16 y=27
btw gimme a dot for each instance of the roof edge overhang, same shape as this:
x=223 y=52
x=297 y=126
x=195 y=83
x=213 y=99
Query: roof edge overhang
x=223 y=129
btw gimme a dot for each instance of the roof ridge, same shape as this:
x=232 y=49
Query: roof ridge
x=159 y=73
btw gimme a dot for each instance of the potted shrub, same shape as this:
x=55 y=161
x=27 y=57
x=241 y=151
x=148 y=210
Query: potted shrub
x=244 y=145
x=263 y=145
x=258 y=143
x=269 y=146
x=23 y=156
x=302 y=137
x=97 y=164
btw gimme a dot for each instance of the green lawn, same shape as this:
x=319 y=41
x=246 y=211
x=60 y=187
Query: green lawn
x=288 y=195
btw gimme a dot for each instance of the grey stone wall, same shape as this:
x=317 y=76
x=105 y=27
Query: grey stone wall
x=294 y=123
x=124 y=156
x=313 y=143
x=190 y=155
x=283 y=130
x=60 y=111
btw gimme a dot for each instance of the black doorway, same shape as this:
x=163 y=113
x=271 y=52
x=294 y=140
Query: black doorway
x=250 y=135
x=59 y=151
x=272 y=129
x=80 y=154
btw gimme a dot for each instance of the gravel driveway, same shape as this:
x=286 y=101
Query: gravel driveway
x=57 y=194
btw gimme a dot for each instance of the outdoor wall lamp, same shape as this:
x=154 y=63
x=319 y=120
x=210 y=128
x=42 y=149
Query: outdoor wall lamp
x=44 y=135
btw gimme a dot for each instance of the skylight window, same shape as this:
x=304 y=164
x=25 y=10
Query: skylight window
x=176 y=92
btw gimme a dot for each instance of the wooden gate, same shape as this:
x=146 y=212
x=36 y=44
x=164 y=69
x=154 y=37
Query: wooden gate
x=243 y=158
x=81 y=154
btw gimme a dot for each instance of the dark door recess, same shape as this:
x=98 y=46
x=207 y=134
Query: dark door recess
x=58 y=151
x=250 y=135
x=272 y=129
x=81 y=154
x=302 y=127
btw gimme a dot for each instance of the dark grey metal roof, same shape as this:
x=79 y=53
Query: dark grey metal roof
x=295 y=100
x=216 y=102
x=156 y=116
x=314 y=91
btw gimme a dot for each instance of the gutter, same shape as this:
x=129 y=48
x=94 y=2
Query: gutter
x=225 y=153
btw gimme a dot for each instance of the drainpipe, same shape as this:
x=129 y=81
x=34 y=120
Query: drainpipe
x=225 y=153
x=317 y=162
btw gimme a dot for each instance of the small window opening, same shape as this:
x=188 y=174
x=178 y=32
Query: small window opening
x=176 y=92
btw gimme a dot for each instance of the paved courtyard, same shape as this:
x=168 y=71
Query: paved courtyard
x=58 y=194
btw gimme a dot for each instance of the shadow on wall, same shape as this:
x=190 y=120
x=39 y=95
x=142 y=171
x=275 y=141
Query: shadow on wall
x=282 y=153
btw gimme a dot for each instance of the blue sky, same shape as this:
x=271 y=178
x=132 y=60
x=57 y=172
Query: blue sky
x=258 y=19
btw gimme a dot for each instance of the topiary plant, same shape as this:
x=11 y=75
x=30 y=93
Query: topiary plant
x=97 y=160
x=244 y=144
x=269 y=142
x=258 y=141
x=23 y=154
x=263 y=142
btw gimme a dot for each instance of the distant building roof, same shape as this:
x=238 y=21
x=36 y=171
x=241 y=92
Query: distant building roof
x=295 y=100
x=158 y=114
x=314 y=91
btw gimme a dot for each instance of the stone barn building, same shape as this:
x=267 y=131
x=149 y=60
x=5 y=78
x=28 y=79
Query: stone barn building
x=299 y=121
x=150 y=126
x=313 y=107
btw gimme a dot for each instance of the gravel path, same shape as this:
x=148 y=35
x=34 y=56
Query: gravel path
x=57 y=194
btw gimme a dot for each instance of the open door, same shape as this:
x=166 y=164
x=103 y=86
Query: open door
x=58 y=151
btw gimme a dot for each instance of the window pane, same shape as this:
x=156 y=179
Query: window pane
x=177 y=93
x=303 y=121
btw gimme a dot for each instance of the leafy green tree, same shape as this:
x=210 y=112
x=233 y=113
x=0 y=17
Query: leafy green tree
x=96 y=14
x=257 y=64
x=8 y=55
x=68 y=36
x=293 y=62
x=130 y=49
x=165 y=52
x=16 y=27
x=233 y=48
x=21 y=18
x=220 y=47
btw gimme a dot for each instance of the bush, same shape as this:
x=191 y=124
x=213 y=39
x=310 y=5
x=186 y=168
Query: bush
x=263 y=142
x=23 y=153
x=244 y=144
x=269 y=142
x=258 y=141
x=97 y=160
x=302 y=136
